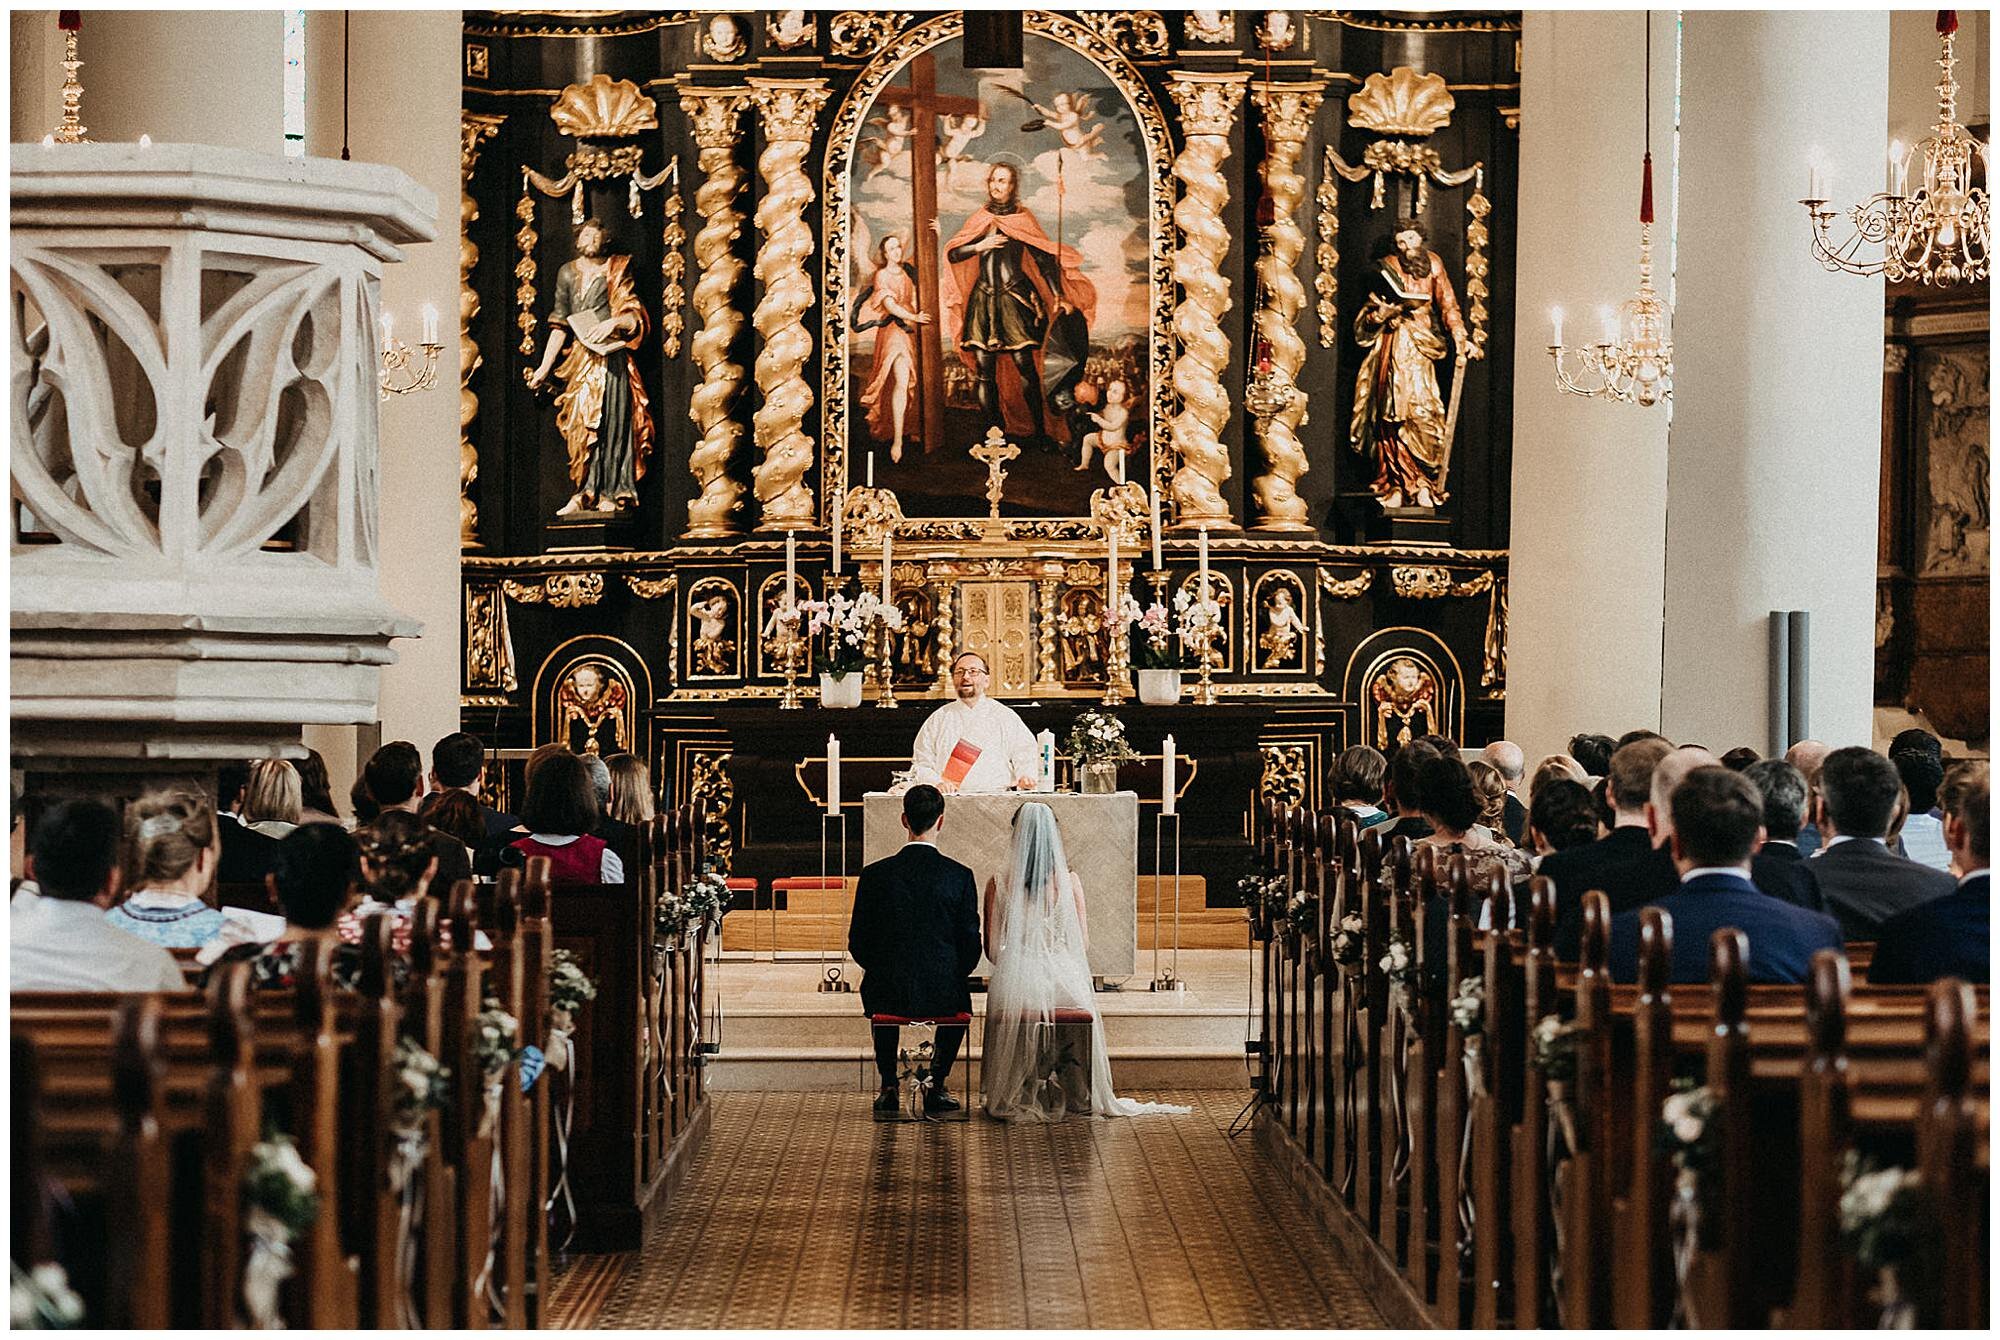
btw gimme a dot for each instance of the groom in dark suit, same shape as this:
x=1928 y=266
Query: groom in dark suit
x=916 y=936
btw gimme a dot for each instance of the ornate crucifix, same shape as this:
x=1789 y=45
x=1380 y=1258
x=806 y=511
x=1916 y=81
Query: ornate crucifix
x=996 y=451
x=921 y=97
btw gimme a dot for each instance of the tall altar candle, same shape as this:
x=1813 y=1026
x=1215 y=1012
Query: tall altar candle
x=832 y=777
x=791 y=565
x=1155 y=501
x=1168 y=767
x=1204 y=563
x=887 y=547
x=871 y=469
x=839 y=505
x=1112 y=603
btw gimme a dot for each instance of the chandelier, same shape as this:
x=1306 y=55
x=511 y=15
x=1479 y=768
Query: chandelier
x=405 y=370
x=1633 y=362
x=1938 y=235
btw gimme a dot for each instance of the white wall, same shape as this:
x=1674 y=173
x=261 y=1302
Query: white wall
x=1913 y=71
x=1585 y=597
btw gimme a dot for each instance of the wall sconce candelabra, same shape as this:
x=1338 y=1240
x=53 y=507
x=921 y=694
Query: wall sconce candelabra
x=1937 y=236
x=406 y=370
x=1634 y=361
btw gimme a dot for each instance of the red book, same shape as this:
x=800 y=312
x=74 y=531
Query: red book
x=963 y=756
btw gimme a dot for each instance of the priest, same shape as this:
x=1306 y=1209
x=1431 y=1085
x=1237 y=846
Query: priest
x=975 y=743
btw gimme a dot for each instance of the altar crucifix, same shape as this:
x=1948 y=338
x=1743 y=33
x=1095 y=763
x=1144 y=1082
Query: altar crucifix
x=995 y=451
x=925 y=105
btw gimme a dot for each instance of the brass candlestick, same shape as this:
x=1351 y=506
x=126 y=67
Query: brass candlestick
x=888 y=695
x=71 y=129
x=1117 y=662
x=789 y=649
x=1204 y=692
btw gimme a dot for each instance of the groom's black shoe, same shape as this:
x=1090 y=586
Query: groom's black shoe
x=886 y=1101
x=938 y=1102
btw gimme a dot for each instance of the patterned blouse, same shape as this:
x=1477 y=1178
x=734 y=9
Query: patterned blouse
x=175 y=920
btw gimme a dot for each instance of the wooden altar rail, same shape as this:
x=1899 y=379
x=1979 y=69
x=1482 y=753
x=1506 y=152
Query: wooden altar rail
x=1468 y=1211
x=143 y=1111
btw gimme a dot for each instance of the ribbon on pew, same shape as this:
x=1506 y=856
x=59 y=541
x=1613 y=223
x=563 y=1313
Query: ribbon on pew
x=1559 y=1145
x=1684 y=1221
x=404 y=1162
x=1474 y=1088
x=497 y=1181
x=561 y=1055
x=269 y=1266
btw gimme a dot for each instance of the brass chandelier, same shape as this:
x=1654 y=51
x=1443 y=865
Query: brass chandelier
x=1633 y=363
x=1936 y=236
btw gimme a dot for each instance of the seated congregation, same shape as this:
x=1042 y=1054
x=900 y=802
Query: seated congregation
x=1669 y=1040
x=271 y=1068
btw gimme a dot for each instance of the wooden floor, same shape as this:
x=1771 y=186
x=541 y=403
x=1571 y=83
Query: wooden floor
x=800 y=1210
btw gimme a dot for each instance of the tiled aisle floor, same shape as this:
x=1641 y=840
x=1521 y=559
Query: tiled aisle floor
x=799 y=1210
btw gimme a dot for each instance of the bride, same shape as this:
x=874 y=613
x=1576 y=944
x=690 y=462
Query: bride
x=1035 y=936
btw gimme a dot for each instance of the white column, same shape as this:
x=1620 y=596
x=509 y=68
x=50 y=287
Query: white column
x=1777 y=435
x=184 y=76
x=1590 y=478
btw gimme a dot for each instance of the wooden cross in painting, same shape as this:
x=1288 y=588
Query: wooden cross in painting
x=925 y=105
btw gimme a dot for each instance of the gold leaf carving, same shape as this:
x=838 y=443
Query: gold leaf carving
x=1346 y=588
x=648 y=588
x=604 y=108
x=1402 y=102
x=563 y=590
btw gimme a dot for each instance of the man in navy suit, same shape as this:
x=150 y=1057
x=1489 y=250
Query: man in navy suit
x=1948 y=936
x=916 y=935
x=1865 y=883
x=1778 y=868
x=1718 y=820
x=1624 y=864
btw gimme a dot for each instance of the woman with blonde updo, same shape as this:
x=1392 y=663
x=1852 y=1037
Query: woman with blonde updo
x=1489 y=789
x=274 y=799
x=398 y=861
x=171 y=851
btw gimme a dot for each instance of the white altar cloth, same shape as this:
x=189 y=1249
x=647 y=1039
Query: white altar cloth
x=1100 y=835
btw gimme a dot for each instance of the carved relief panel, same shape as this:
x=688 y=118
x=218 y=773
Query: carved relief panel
x=714 y=635
x=997 y=622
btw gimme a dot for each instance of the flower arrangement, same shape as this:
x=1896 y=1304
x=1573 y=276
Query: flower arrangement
x=1400 y=964
x=1265 y=898
x=1198 y=623
x=280 y=1188
x=1348 y=940
x=1688 y=1134
x=843 y=626
x=1301 y=911
x=424 y=1084
x=1153 y=649
x=41 y=1299
x=1882 y=1213
x=1097 y=737
x=1554 y=1044
x=493 y=1037
x=569 y=986
x=704 y=902
x=1468 y=1006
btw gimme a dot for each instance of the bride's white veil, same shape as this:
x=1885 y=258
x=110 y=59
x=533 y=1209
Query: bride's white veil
x=1034 y=907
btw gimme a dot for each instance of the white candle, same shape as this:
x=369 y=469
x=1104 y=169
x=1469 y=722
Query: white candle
x=832 y=777
x=791 y=566
x=887 y=550
x=1556 y=320
x=871 y=469
x=1168 y=767
x=1204 y=563
x=1610 y=325
x=839 y=506
x=145 y=141
x=1899 y=172
x=430 y=323
x=388 y=325
x=1111 y=584
x=1155 y=501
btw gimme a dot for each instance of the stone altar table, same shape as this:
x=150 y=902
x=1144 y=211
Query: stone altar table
x=1100 y=835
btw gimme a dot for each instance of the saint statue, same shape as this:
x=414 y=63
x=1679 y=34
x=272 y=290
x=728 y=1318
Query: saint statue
x=1017 y=302
x=601 y=411
x=1399 y=418
x=889 y=308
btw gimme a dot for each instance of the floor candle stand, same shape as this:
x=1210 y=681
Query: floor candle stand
x=1170 y=978
x=833 y=978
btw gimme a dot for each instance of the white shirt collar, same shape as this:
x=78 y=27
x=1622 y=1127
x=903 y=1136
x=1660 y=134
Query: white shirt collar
x=930 y=842
x=1831 y=843
x=1971 y=875
x=1782 y=842
x=1703 y=871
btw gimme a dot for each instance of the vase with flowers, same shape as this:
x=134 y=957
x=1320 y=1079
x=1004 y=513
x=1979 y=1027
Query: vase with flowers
x=842 y=630
x=1156 y=663
x=1098 y=745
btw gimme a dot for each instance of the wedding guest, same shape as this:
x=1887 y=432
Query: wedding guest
x=1623 y=863
x=1715 y=817
x=1592 y=753
x=399 y=864
x=1666 y=776
x=1505 y=757
x=172 y=850
x=272 y=798
x=63 y=941
x=1449 y=802
x=1634 y=736
x=1957 y=778
x=623 y=837
x=317 y=876
x=315 y=791
x=1917 y=740
x=1949 y=936
x=457 y=815
x=631 y=789
x=246 y=854
x=458 y=762
x=561 y=816
x=1740 y=758
x=1865 y=883
x=27 y=811
x=1357 y=784
x=1490 y=793
x=1807 y=756
x=366 y=811
x=394 y=775
x=1561 y=815
x=1402 y=797
x=1777 y=868
x=1552 y=767
x=1923 y=830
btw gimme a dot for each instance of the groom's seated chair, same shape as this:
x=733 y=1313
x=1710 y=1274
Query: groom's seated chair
x=915 y=1061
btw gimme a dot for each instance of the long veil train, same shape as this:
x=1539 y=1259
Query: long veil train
x=1041 y=990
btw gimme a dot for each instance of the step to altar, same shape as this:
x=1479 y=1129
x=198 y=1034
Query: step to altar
x=779 y=1033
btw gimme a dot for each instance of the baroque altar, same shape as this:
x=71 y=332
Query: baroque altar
x=751 y=300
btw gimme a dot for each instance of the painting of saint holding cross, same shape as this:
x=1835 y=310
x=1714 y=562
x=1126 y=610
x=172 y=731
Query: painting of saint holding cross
x=1000 y=245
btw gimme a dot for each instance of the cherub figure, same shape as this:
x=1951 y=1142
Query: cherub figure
x=1110 y=435
x=713 y=647
x=1282 y=628
x=959 y=131
x=881 y=151
x=1066 y=119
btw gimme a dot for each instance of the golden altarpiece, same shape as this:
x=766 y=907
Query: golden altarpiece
x=819 y=291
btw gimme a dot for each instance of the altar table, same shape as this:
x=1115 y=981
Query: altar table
x=1100 y=835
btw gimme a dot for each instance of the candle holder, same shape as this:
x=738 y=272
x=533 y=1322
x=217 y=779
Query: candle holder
x=887 y=666
x=788 y=647
x=1117 y=663
x=403 y=373
x=1204 y=690
x=71 y=130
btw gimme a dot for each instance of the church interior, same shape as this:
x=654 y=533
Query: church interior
x=1408 y=589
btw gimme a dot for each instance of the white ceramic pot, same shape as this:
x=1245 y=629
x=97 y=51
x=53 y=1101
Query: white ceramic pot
x=840 y=690
x=1159 y=688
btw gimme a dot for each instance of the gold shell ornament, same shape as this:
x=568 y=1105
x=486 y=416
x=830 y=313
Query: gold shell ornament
x=1402 y=102
x=603 y=108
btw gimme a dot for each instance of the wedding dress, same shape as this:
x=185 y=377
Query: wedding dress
x=1030 y=1069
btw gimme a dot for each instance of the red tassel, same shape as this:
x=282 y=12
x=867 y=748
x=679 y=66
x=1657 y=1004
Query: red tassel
x=1947 y=22
x=1646 y=192
x=70 y=20
x=1267 y=210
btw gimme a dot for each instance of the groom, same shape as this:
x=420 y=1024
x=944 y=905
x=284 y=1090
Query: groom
x=916 y=936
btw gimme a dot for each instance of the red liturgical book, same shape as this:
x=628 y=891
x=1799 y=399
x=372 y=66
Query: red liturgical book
x=963 y=756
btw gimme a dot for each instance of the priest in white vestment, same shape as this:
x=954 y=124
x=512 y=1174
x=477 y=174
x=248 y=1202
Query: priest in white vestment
x=976 y=743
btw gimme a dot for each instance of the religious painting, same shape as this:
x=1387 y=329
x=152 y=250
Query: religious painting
x=715 y=630
x=1280 y=624
x=998 y=275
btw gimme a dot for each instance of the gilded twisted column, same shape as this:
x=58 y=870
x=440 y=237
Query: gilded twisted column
x=787 y=108
x=474 y=129
x=1207 y=105
x=1288 y=116
x=716 y=115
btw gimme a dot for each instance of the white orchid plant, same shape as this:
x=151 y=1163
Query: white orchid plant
x=1153 y=649
x=1198 y=623
x=844 y=627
